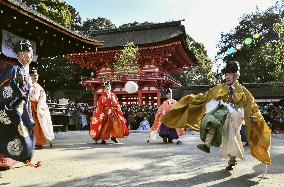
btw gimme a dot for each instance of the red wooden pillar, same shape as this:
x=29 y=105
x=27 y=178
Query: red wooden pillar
x=95 y=99
x=147 y=99
x=140 y=97
x=158 y=98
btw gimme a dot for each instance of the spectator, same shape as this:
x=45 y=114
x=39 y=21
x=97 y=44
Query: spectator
x=144 y=125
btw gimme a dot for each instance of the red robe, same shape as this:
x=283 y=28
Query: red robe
x=108 y=119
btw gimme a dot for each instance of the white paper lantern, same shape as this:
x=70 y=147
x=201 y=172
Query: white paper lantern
x=131 y=87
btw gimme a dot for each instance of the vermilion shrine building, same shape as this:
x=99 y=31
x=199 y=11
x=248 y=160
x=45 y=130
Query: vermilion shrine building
x=162 y=50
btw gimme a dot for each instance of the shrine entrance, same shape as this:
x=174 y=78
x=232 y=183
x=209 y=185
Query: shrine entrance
x=162 y=50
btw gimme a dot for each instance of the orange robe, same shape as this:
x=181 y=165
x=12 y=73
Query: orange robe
x=165 y=107
x=43 y=128
x=108 y=119
x=39 y=136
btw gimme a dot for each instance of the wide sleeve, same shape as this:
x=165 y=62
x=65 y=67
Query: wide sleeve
x=258 y=132
x=187 y=112
x=116 y=105
x=98 y=113
x=10 y=86
x=44 y=117
x=156 y=124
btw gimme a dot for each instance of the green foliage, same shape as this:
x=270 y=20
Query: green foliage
x=279 y=50
x=58 y=11
x=97 y=24
x=135 y=23
x=127 y=60
x=258 y=61
x=57 y=73
x=201 y=74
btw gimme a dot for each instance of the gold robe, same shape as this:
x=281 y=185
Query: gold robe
x=189 y=110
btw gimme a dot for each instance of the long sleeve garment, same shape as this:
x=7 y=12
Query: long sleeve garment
x=16 y=123
x=189 y=110
x=108 y=119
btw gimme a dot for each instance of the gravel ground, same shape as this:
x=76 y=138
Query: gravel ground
x=76 y=160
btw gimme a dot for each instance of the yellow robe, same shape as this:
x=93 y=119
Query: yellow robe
x=189 y=110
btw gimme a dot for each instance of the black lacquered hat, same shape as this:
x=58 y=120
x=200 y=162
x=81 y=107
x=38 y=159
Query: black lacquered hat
x=23 y=46
x=231 y=67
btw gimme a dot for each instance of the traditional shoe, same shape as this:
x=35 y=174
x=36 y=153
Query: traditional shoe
x=148 y=141
x=170 y=141
x=50 y=144
x=232 y=162
x=4 y=168
x=179 y=142
x=204 y=148
x=165 y=140
x=229 y=167
x=103 y=142
x=114 y=140
x=38 y=146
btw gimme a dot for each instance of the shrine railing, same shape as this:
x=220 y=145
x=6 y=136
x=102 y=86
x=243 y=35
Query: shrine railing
x=123 y=77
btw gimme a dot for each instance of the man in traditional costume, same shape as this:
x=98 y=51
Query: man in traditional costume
x=16 y=123
x=43 y=128
x=107 y=120
x=218 y=115
x=168 y=134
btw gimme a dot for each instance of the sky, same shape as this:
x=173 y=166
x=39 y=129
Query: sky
x=205 y=20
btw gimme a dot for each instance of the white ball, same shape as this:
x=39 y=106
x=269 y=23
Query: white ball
x=131 y=87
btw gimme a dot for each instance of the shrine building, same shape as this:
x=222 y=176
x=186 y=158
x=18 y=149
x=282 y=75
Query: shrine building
x=162 y=50
x=19 y=21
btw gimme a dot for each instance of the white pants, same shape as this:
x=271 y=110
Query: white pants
x=231 y=139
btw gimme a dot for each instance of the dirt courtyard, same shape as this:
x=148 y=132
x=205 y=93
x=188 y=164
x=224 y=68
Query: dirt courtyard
x=75 y=160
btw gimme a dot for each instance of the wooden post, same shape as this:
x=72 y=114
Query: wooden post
x=158 y=98
x=140 y=97
x=95 y=99
x=147 y=99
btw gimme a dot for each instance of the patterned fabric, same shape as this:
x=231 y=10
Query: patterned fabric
x=144 y=126
x=108 y=119
x=16 y=123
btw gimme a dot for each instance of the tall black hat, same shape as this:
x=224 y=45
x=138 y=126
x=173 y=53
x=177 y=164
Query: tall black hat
x=231 y=67
x=106 y=82
x=33 y=71
x=23 y=46
x=168 y=91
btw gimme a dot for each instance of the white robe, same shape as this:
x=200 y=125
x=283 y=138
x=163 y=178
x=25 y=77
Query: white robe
x=38 y=94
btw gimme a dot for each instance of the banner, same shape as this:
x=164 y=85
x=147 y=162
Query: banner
x=8 y=42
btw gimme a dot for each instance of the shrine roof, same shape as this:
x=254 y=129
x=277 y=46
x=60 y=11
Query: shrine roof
x=141 y=35
x=144 y=36
x=52 y=38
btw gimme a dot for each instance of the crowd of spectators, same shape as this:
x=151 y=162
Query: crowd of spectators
x=135 y=114
x=273 y=115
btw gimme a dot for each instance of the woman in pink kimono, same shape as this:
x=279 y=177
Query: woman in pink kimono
x=108 y=120
x=168 y=134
